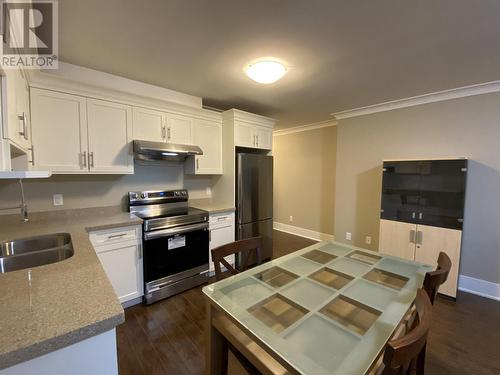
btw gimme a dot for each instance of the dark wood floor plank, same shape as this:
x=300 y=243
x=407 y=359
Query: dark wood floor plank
x=168 y=336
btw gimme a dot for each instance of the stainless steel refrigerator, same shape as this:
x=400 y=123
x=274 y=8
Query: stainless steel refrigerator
x=254 y=200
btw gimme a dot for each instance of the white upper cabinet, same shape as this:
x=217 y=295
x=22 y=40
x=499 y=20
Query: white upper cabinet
x=253 y=136
x=208 y=136
x=149 y=125
x=59 y=129
x=110 y=136
x=243 y=135
x=73 y=134
x=263 y=137
x=16 y=97
x=179 y=129
x=250 y=130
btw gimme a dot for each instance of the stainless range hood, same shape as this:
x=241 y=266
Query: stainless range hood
x=158 y=151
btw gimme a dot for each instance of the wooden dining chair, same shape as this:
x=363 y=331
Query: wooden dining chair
x=434 y=279
x=246 y=248
x=406 y=355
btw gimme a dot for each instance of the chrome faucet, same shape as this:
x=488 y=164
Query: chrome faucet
x=23 y=206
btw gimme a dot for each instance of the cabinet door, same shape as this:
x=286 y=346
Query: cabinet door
x=219 y=236
x=430 y=242
x=149 y=125
x=208 y=136
x=179 y=129
x=59 y=130
x=263 y=137
x=244 y=135
x=16 y=127
x=110 y=135
x=397 y=239
x=123 y=266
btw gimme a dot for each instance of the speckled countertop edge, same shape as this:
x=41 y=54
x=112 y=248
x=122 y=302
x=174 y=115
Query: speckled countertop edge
x=40 y=326
x=211 y=206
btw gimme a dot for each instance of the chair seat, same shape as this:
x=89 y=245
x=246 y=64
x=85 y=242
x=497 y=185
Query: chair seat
x=248 y=347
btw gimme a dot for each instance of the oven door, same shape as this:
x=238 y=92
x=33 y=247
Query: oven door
x=171 y=254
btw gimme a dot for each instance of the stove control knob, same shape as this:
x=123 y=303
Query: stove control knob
x=143 y=195
x=134 y=196
x=176 y=193
x=184 y=192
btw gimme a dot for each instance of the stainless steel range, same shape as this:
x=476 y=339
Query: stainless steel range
x=175 y=242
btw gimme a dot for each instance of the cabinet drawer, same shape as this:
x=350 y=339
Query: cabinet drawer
x=222 y=218
x=117 y=235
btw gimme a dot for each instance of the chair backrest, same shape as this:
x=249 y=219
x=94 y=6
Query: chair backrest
x=401 y=356
x=246 y=247
x=434 y=279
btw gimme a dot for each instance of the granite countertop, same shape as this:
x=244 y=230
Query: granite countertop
x=211 y=206
x=64 y=302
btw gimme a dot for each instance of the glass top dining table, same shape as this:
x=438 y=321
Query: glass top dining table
x=329 y=308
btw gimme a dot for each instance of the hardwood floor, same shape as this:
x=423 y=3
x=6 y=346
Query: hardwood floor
x=168 y=337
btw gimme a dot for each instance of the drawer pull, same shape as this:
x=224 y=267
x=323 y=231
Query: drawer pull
x=116 y=236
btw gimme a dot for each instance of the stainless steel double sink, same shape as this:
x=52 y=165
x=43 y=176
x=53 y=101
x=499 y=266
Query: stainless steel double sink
x=35 y=251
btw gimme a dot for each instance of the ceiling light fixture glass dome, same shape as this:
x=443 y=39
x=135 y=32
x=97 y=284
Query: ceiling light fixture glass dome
x=266 y=71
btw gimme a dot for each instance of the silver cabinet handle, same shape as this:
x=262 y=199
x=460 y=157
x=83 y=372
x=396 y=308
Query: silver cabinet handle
x=413 y=215
x=197 y=163
x=139 y=251
x=32 y=149
x=420 y=237
x=420 y=216
x=412 y=236
x=257 y=140
x=168 y=134
x=116 y=236
x=209 y=235
x=163 y=132
x=23 y=131
x=91 y=159
x=84 y=159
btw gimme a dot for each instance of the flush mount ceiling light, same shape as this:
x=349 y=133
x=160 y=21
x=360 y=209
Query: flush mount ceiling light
x=265 y=71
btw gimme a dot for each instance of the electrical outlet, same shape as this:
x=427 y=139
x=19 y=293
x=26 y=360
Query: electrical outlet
x=290 y=218
x=57 y=200
x=208 y=191
x=368 y=240
x=348 y=236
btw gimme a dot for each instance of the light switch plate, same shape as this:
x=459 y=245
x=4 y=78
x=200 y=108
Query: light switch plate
x=208 y=191
x=57 y=200
x=368 y=240
x=348 y=236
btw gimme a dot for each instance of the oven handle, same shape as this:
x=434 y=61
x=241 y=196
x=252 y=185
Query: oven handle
x=170 y=231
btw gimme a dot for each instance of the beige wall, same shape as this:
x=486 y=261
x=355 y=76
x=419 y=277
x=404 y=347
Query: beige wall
x=462 y=127
x=82 y=191
x=304 y=179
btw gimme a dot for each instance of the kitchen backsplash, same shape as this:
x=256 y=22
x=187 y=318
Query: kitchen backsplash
x=82 y=191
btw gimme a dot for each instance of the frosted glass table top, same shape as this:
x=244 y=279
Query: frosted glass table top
x=329 y=308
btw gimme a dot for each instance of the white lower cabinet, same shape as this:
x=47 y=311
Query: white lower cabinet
x=423 y=243
x=120 y=253
x=221 y=226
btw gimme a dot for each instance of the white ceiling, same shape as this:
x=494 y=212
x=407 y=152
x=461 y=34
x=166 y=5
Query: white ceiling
x=342 y=54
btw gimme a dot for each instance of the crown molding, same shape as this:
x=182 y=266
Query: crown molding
x=304 y=128
x=460 y=92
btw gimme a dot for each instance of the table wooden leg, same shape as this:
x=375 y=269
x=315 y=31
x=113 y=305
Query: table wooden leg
x=217 y=348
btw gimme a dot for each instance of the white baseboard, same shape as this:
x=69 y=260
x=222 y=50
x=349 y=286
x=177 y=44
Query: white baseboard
x=302 y=232
x=479 y=287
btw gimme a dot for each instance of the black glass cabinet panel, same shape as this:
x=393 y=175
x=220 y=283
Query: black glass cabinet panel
x=430 y=192
x=400 y=194
x=442 y=193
